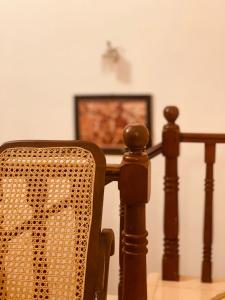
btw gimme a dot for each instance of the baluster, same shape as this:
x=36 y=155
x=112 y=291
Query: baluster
x=120 y=250
x=208 y=215
x=134 y=189
x=170 y=149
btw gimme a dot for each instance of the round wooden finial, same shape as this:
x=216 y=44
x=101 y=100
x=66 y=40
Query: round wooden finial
x=136 y=136
x=171 y=113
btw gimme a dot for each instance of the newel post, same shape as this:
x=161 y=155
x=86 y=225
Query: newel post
x=170 y=146
x=134 y=191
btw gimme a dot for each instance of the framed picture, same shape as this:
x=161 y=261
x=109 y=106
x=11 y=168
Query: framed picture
x=101 y=119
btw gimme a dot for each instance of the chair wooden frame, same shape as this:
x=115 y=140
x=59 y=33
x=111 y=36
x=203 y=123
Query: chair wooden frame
x=101 y=242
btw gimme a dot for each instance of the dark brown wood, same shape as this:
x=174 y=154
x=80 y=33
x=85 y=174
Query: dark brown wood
x=154 y=151
x=120 y=286
x=170 y=146
x=112 y=173
x=210 y=153
x=134 y=189
x=107 y=249
x=202 y=138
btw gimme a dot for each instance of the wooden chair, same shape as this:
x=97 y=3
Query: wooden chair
x=51 y=198
x=51 y=204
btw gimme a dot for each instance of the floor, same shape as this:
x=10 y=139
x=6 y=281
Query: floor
x=188 y=288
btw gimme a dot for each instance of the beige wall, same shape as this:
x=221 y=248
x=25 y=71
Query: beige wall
x=51 y=50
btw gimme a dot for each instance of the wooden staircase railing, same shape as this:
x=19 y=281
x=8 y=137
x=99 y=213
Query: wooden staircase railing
x=171 y=139
x=133 y=180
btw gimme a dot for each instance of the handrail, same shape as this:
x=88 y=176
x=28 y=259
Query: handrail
x=113 y=170
x=154 y=151
x=202 y=137
x=112 y=173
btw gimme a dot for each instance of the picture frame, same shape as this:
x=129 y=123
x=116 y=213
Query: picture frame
x=102 y=118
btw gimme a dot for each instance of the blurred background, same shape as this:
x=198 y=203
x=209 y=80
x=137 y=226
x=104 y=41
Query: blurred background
x=174 y=50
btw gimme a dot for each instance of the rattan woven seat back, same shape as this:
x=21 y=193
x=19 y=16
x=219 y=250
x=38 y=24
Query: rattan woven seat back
x=51 y=196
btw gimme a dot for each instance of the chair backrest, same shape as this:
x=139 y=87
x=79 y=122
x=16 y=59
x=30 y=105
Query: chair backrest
x=51 y=196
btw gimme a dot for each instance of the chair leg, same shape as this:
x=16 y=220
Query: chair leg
x=108 y=248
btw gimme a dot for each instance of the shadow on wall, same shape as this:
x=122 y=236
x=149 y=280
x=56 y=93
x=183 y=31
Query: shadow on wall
x=113 y=61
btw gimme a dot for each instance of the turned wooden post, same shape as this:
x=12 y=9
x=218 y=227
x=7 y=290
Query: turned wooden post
x=134 y=190
x=170 y=149
x=210 y=153
x=120 y=249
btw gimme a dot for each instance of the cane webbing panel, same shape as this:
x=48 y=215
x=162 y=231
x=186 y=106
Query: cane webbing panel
x=45 y=216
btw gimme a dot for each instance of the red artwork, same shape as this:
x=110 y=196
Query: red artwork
x=102 y=120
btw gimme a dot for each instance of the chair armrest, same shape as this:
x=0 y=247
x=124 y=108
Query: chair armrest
x=107 y=250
